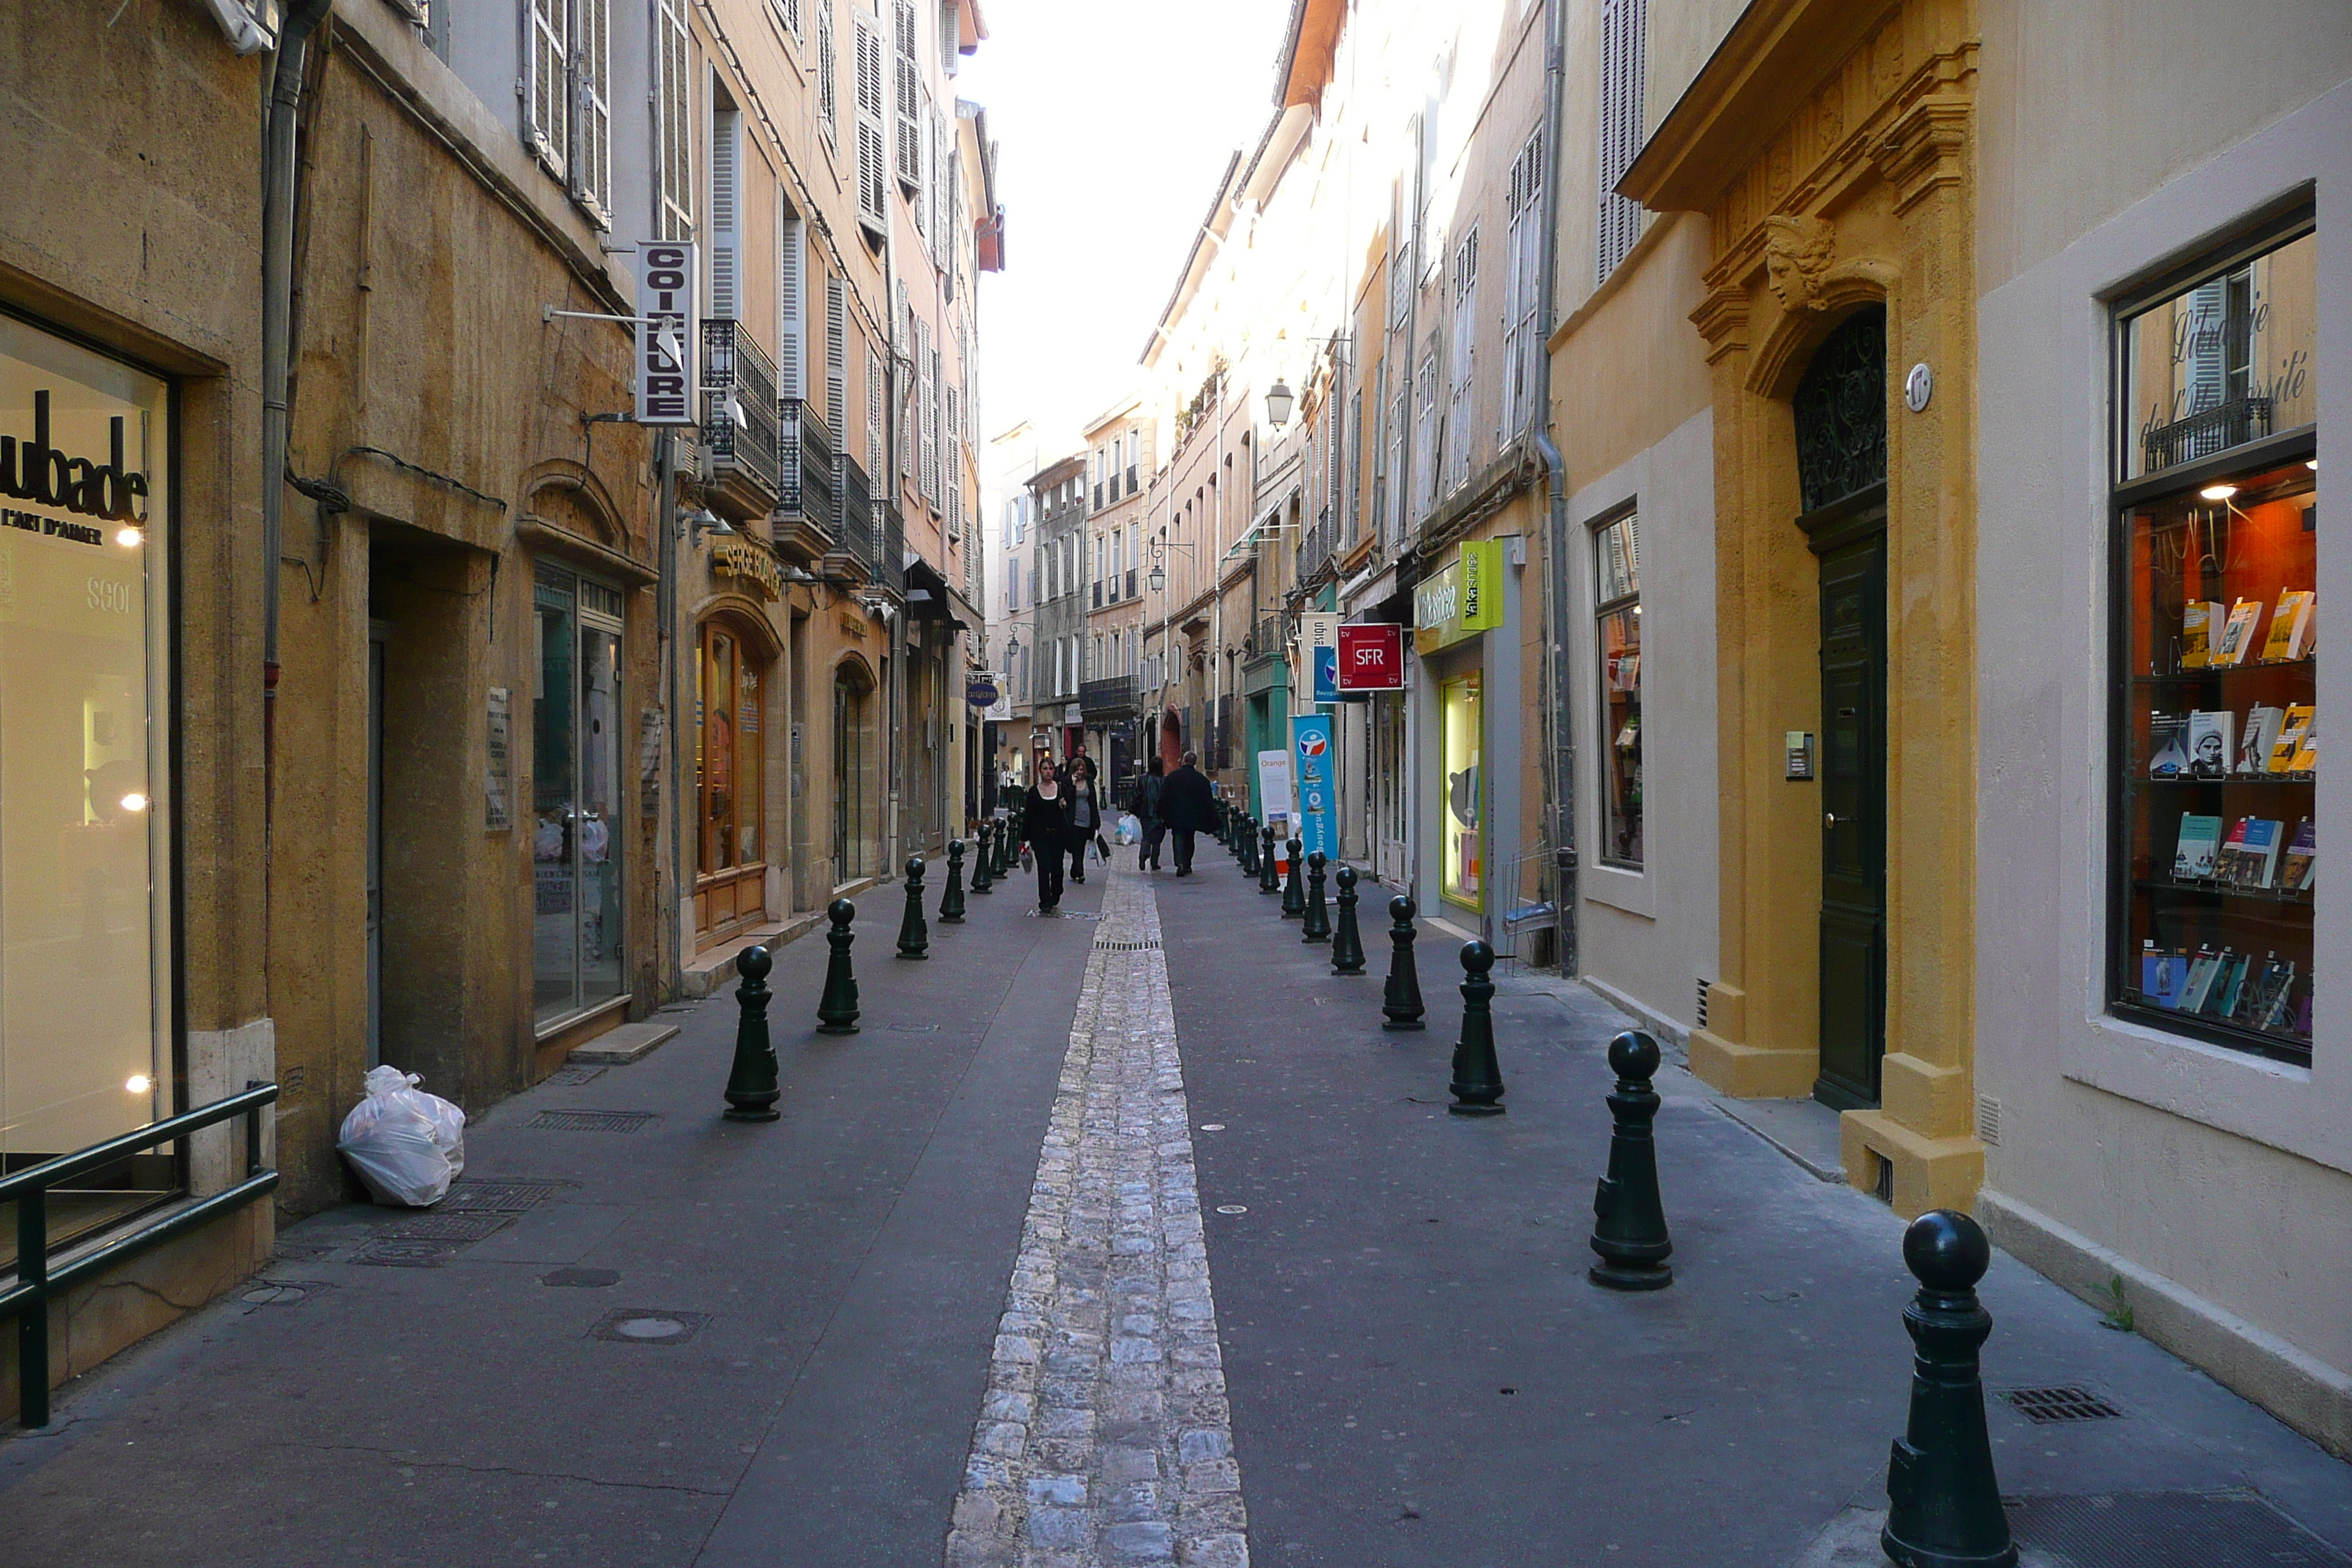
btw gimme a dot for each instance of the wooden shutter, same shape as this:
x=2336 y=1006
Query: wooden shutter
x=1465 y=340
x=792 y=310
x=828 y=94
x=951 y=454
x=872 y=157
x=726 y=211
x=1622 y=47
x=836 y=360
x=909 y=100
x=1524 y=282
x=673 y=110
x=875 y=414
x=788 y=16
x=591 y=108
x=927 y=380
x=546 y=72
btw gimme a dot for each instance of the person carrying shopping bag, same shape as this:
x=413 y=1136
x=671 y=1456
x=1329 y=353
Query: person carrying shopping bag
x=1086 y=821
x=1044 y=828
x=1146 y=806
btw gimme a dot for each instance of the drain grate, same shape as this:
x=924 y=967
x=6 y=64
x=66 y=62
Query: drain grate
x=447 y=1227
x=405 y=1254
x=498 y=1198
x=1149 y=945
x=592 y=1120
x=2046 y=1407
x=2167 y=1530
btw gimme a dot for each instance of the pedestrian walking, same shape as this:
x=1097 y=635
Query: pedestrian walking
x=1189 y=806
x=1086 y=821
x=1146 y=806
x=1044 y=828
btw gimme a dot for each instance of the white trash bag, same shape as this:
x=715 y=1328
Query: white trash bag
x=1129 y=831
x=407 y=1145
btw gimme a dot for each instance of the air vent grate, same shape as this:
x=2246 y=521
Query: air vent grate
x=592 y=1120
x=2048 y=1406
x=1152 y=946
x=1702 y=1002
x=1987 y=1120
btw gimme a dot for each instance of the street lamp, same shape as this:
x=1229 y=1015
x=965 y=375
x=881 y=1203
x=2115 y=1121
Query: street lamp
x=1277 y=403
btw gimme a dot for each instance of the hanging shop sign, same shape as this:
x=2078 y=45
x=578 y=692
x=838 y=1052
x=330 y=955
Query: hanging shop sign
x=1312 y=752
x=1462 y=601
x=1371 y=658
x=739 y=558
x=980 y=692
x=1318 y=635
x=666 y=335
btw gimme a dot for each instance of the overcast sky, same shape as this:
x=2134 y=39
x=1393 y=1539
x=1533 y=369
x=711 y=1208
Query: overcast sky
x=1113 y=120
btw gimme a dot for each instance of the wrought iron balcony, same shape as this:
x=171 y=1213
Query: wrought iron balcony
x=807 y=519
x=892 y=551
x=1316 y=545
x=740 y=417
x=2208 y=431
x=854 y=540
x=1116 y=697
x=1266 y=638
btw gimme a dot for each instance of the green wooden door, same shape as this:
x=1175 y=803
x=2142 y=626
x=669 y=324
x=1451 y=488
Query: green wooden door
x=1853 y=821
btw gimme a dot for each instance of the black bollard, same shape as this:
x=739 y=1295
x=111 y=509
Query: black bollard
x=1629 y=1229
x=1478 y=1077
x=1401 y=999
x=982 y=877
x=1294 y=887
x=1944 y=1503
x=951 y=896
x=1347 y=943
x=914 y=935
x=752 y=1092
x=1318 y=927
x=836 y=1009
x=1245 y=846
x=1003 y=866
x=1267 y=882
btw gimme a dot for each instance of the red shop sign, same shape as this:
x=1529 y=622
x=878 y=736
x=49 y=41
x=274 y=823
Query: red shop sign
x=1371 y=656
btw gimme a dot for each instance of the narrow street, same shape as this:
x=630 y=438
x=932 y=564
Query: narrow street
x=955 y=1306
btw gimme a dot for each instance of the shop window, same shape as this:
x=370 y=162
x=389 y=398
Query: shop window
x=86 y=894
x=576 y=760
x=2215 y=747
x=1465 y=867
x=1617 y=574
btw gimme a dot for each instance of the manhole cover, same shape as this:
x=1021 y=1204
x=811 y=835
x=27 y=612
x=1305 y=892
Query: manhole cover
x=1232 y=1208
x=2167 y=1529
x=405 y=1254
x=650 y=1326
x=572 y=1078
x=2043 y=1406
x=582 y=1278
x=278 y=1292
x=447 y=1226
x=592 y=1120
x=498 y=1198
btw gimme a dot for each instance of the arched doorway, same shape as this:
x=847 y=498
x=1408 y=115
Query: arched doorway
x=856 y=815
x=730 y=845
x=1171 y=740
x=1840 y=407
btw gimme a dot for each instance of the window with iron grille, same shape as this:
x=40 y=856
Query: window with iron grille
x=1623 y=25
x=674 y=123
x=1520 y=346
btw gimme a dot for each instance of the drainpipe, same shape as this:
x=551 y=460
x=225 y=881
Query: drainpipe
x=277 y=197
x=1560 y=762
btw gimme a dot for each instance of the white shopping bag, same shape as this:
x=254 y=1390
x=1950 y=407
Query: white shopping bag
x=407 y=1145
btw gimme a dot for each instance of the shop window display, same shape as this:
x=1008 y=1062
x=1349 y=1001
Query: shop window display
x=1617 y=570
x=85 y=885
x=1465 y=837
x=2217 y=744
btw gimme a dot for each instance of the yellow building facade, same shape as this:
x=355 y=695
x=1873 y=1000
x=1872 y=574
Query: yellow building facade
x=1830 y=148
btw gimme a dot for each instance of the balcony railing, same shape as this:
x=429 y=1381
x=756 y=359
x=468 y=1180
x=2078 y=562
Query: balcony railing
x=2208 y=431
x=860 y=535
x=1265 y=637
x=807 y=519
x=1316 y=545
x=1115 y=697
x=739 y=416
x=893 y=550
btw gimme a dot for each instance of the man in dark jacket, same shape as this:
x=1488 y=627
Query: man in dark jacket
x=1188 y=808
x=1146 y=806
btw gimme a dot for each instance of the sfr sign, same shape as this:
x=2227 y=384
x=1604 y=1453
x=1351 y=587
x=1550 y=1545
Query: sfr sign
x=1371 y=656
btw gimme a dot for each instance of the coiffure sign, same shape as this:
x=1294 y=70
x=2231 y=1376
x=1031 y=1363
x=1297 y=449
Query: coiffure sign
x=665 y=333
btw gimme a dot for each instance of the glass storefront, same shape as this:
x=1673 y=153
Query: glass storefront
x=1465 y=867
x=1617 y=562
x=2216 y=749
x=730 y=861
x=577 y=796
x=84 y=884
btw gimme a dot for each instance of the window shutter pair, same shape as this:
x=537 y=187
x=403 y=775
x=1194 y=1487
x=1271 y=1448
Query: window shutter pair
x=674 y=134
x=1525 y=281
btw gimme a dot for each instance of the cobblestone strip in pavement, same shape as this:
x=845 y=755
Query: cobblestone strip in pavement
x=1105 y=1437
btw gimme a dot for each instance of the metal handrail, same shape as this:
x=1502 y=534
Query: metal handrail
x=28 y=1299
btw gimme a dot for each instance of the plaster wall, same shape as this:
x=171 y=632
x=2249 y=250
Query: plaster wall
x=2217 y=1181
x=1649 y=933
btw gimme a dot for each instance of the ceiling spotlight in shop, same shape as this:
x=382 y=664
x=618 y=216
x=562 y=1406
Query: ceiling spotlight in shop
x=2217 y=492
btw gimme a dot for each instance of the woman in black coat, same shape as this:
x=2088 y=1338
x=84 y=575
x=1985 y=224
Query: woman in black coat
x=1045 y=830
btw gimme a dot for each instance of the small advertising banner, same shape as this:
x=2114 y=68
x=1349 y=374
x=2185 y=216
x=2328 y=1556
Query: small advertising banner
x=1274 y=798
x=667 y=335
x=1371 y=658
x=1319 y=634
x=1310 y=746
